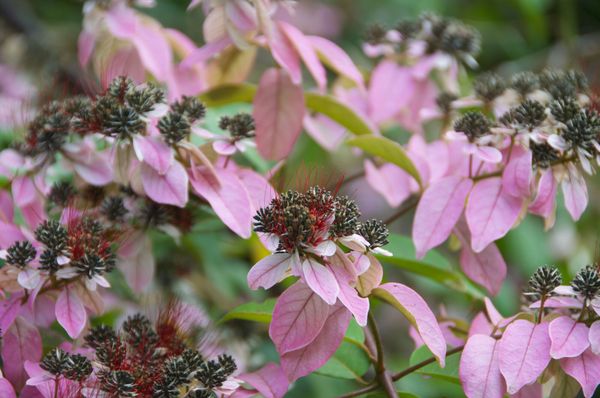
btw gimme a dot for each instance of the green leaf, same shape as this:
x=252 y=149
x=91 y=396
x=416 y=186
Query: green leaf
x=256 y=312
x=387 y=150
x=448 y=373
x=433 y=266
x=228 y=93
x=335 y=110
x=349 y=361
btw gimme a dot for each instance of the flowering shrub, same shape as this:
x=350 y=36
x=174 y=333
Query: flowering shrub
x=109 y=196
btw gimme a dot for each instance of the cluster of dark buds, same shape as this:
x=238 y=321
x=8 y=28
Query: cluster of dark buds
x=302 y=221
x=155 y=360
x=70 y=366
x=82 y=248
x=240 y=126
x=176 y=125
x=438 y=34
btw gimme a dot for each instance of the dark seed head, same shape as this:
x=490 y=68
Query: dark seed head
x=473 y=125
x=528 y=114
x=55 y=361
x=62 y=193
x=543 y=154
x=174 y=127
x=587 y=282
x=375 y=232
x=489 y=86
x=119 y=383
x=524 y=82
x=346 y=217
x=375 y=34
x=114 y=209
x=544 y=281
x=20 y=254
x=191 y=107
x=239 y=126
x=52 y=234
x=78 y=368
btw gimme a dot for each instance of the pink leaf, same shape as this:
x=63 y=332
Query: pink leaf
x=416 y=310
x=594 y=337
x=307 y=53
x=9 y=309
x=575 y=192
x=170 y=188
x=303 y=361
x=278 y=112
x=284 y=53
x=22 y=342
x=585 y=369
x=517 y=175
x=358 y=306
x=479 y=371
x=390 y=181
x=371 y=278
x=530 y=391
x=6 y=389
x=569 y=338
x=70 y=312
x=270 y=381
x=96 y=171
x=85 y=47
x=154 y=152
x=321 y=280
x=490 y=213
x=7 y=210
x=438 y=211
x=23 y=191
x=260 y=191
x=487 y=267
x=391 y=87
x=524 y=353
x=544 y=201
x=337 y=59
x=298 y=317
x=227 y=196
x=154 y=51
x=137 y=261
x=269 y=271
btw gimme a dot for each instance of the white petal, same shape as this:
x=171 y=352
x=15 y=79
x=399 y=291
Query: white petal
x=355 y=242
x=326 y=248
x=100 y=280
x=66 y=273
x=62 y=260
x=557 y=142
x=382 y=252
x=456 y=136
x=29 y=278
x=564 y=290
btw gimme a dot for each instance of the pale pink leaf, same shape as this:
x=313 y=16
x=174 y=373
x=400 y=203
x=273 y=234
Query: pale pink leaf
x=6 y=389
x=137 y=261
x=305 y=360
x=524 y=353
x=9 y=309
x=390 y=181
x=585 y=369
x=575 y=192
x=85 y=46
x=490 y=213
x=321 y=280
x=479 y=371
x=270 y=381
x=307 y=53
x=170 y=188
x=7 y=210
x=269 y=271
x=569 y=338
x=278 y=111
x=154 y=152
x=154 y=51
x=24 y=191
x=438 y=211
x=416 y=310
x=371 y=278
x=70 y=312
x=337 y=59
x=298 y=317
x=391 y=88
x=544 y=201
x=487 y=267
x=358 y=306
x=284 y=53
x=227 y=196
x=480 y=325
x=594 y=337
x=259 y=189
x=530 y=391
x=21 y=342
x=517 y=175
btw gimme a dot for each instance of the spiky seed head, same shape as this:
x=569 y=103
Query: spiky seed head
x=544 y=280
x=587 y=282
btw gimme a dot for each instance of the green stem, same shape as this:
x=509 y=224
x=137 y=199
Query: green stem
x=424 y=363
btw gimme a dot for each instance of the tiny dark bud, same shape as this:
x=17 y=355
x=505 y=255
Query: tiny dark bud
x=544 y=281
x=20 y=254
x=375 y=232
x=473 y=125
x=587 y=282
x=489 y=86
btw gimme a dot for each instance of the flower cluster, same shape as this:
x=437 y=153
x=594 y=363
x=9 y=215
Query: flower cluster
x=566 y=330
x=143 y=359
x=429 y=34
